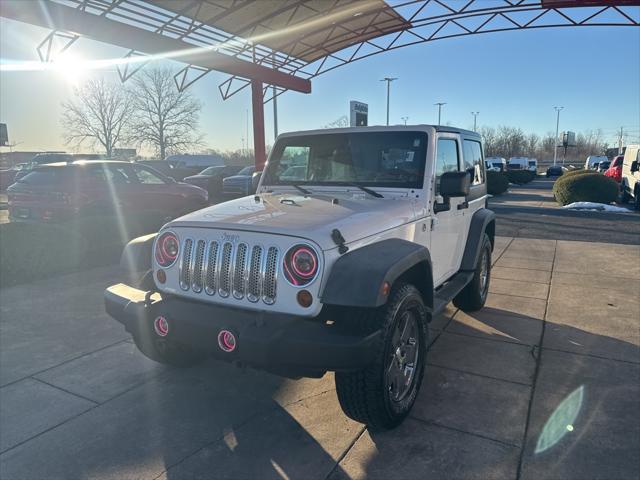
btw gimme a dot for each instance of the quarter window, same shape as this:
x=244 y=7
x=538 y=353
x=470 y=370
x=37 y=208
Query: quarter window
x=446 y=158
x=473 y=161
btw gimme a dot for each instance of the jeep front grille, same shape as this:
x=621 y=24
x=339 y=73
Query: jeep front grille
x=222 y=268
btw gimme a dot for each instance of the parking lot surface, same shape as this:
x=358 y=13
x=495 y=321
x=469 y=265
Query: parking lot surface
x=542 y=383
x=530 y=211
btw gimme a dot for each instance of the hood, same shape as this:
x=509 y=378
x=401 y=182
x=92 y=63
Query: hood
x=314 y=217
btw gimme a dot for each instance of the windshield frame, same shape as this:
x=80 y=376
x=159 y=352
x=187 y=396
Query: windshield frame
x=422 y=151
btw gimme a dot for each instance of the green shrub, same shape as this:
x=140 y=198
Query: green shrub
x=520 y=176
x=497 y=183
x=30 y=251
x=587 y=187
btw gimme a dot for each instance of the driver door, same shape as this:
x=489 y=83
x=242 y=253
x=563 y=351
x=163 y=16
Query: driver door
x=447 y=233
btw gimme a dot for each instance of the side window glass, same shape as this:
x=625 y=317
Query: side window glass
x=446 y=158
x=473 y=161
x=118 y=174
x=147 y=177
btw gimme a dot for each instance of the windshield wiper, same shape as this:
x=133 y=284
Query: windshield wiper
x=365 y=189
x=304 y=191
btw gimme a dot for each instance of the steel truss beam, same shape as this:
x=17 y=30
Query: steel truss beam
x=456 y=18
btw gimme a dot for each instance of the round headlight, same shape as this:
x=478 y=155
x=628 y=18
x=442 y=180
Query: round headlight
x=300 y=265
x=167 y=249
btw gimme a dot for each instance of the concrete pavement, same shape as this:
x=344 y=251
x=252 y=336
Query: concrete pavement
x=541 y=383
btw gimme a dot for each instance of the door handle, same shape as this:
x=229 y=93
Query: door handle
x=463 y=205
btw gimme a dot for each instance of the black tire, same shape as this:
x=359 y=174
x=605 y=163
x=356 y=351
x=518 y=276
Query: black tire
x=368 y=396
x=474 y=295
x=163 y=350
x=624 y=195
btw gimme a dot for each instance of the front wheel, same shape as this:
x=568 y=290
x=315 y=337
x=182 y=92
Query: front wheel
x=382 y=395
x=474 y=295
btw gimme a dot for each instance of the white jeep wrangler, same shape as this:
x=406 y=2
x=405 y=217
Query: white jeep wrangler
x=355 y=239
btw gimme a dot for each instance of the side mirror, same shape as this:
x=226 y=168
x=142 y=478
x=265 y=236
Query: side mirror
x=634 y=166
x=452 y=184
x=455 y=184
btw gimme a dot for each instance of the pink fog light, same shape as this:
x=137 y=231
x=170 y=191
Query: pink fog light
x=226 y=341
x=161 y=326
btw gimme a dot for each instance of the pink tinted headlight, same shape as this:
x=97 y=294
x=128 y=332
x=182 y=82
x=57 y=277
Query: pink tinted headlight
x=300 y=265
x=167 y=249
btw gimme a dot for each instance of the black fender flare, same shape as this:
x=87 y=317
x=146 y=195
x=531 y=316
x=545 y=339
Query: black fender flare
x=136 y=256
x=483 y=220
x=357 y=277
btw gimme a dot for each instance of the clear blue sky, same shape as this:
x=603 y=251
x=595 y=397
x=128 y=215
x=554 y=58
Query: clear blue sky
x=511 y=78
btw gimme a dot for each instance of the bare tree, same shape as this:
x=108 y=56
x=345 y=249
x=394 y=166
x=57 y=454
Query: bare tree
x=339 y=122
x=100 y=114
x=166 y=118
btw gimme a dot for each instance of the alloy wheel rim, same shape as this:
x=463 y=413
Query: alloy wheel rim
x=403 y=359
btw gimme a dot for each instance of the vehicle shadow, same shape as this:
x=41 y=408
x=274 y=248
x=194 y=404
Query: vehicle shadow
x=582 y=424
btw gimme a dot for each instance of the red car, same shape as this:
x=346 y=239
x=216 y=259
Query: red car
x=615 y=169
x=61 y=191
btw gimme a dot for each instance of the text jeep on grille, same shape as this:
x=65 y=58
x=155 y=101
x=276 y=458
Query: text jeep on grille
x=355 y=240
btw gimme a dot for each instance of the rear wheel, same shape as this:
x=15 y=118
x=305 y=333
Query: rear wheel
x=474 y=295
x=382 y=395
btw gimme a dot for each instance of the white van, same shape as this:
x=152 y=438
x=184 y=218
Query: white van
x=497 y=164
x=533 y=165
x=593 y=161
x=518 y=163
x=630 y=182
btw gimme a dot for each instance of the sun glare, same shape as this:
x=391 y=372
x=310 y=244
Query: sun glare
x=72 y=69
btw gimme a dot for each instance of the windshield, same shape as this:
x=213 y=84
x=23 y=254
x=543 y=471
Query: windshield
x=210 y=170
x=380 y=159
x=247 y=171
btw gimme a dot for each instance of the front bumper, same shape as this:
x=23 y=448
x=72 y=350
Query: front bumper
x=270 y=341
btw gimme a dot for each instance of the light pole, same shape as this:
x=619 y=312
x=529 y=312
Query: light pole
x=440 y=104
x=555 y=146
x=388 y=80
x=404 y=119
x=475 y=117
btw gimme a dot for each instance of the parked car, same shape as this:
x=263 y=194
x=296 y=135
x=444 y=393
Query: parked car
x=304 y=283
x=490 y=168
x=211 y=179
x=497 y=163
x=615 y=169
x=240 y=184
x=554 y=171
x=630 y=181
x=603 y=166
x=61 y=191
x=593 y=161
x=518 y=163
x=8 y=175
x=55 y=157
